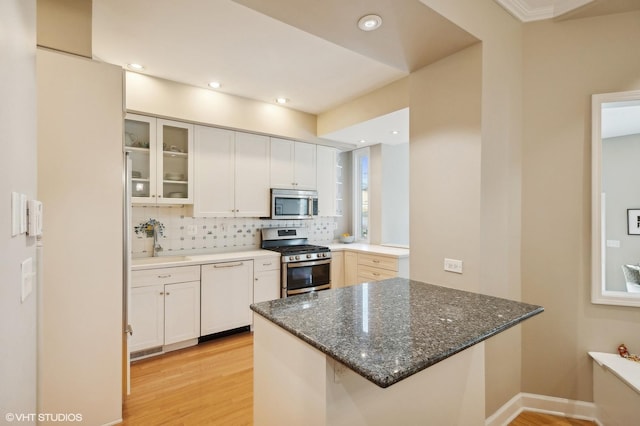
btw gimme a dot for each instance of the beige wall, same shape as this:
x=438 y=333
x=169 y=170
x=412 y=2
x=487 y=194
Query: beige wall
x=65 y=25
x=80 y=184
x=565 y=63
x=18 y=171
x=390 y=98
x=497 y=262
x=150 y=95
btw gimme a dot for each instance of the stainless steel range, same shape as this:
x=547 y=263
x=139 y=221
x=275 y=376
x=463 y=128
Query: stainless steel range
x=305 y=267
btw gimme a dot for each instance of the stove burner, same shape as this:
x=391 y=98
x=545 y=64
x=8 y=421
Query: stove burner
x=300 y=249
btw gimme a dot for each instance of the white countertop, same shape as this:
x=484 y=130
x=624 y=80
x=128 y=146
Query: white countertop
x=371 y=248
x=626 y=370
x=199 y=259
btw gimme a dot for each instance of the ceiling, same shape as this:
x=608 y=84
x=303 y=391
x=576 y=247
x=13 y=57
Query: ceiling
x=308 y=51
x=536 y=10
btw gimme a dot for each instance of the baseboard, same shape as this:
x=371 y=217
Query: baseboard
x=542 y=404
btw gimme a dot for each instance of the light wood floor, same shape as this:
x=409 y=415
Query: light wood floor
x=212 y=384
x=529 y=418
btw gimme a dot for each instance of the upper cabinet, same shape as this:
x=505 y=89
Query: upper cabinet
x=161 y=160
x=293 y=164
x=327 y=182
x=231 y=174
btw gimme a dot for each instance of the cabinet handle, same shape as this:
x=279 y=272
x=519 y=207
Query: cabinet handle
x=164 y=276
x=167 y=293
x=376 y=274
x=375 y=261
x=162 y=293
x=228 y=265
x=267 y=264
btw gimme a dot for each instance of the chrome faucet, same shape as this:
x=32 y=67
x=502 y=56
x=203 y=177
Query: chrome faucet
x=156 y=245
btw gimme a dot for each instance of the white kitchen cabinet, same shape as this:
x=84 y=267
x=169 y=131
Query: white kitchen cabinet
x=147 y=317
x=266 y=284
x=226 y=293
x=162 y=160
x=231 y=174
x=165 y=307
x=293 y=164
x=252 y=175
x=326 y=179
x=181 y=312
x=337 y=269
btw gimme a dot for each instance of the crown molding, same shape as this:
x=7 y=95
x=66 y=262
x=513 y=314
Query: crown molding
x=529 y=11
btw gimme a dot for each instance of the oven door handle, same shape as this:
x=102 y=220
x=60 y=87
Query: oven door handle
x=309 y=263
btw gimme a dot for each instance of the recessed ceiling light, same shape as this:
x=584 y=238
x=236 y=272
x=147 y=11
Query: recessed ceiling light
x=394 y=132
x=282 y=101
x=362 y=141
x=137 y=67
x=369 y=22
x=214 y=85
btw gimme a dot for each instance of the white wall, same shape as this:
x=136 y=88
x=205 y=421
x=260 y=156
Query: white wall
x=80 y=181
x=395 y=194
x=18 y=173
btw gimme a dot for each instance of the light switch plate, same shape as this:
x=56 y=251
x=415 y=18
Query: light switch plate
x=27 y=278
x=23 y=213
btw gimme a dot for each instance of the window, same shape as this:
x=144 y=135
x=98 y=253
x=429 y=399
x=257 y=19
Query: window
x=361 y=194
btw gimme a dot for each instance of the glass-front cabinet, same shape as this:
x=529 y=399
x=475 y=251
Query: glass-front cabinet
x=161 y=160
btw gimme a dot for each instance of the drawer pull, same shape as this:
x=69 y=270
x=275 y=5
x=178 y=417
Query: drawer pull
x=375 y=261
x=228 y=265
x=376 y=274
x=164 y=276
x=267 y=264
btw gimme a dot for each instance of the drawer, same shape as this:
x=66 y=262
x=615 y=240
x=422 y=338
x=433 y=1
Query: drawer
x=383 y=262
x=177 y=274
x=367 y=273
x=266 y=264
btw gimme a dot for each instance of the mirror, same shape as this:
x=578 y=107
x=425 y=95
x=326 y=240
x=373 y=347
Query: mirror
x=615 y=199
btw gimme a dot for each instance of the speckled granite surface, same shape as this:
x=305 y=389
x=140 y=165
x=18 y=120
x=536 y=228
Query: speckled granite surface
x=388 y=330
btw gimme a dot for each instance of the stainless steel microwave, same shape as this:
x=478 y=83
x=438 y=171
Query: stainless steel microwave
x=293 y=204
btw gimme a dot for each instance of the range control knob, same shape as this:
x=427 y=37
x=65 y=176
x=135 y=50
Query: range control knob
x=297 y=257
x=308 y=256
x=291 y=257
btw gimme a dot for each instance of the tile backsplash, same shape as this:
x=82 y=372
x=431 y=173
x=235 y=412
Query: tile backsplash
x=212 y=234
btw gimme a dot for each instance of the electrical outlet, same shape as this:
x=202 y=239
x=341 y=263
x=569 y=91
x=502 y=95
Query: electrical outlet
x=192 y=229
x=453 y=265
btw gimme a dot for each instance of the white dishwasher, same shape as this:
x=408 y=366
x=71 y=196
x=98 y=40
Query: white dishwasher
x=226 y=294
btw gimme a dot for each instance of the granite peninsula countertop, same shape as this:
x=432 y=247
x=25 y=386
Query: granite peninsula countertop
x=388 y=330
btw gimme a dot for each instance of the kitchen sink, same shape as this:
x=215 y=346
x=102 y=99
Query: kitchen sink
x=158 y=259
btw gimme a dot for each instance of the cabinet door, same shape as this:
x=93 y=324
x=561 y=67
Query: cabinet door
x=147 y=317
x=282 y=159
x=140 y=141
x=226 y=293
x=252 y=197
x=174 y=162
x=337 y=269
x=305 y=166
x=266 y=286
x=350 y=268
x=181 y=312
x=326 y=174
x=214 y=165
